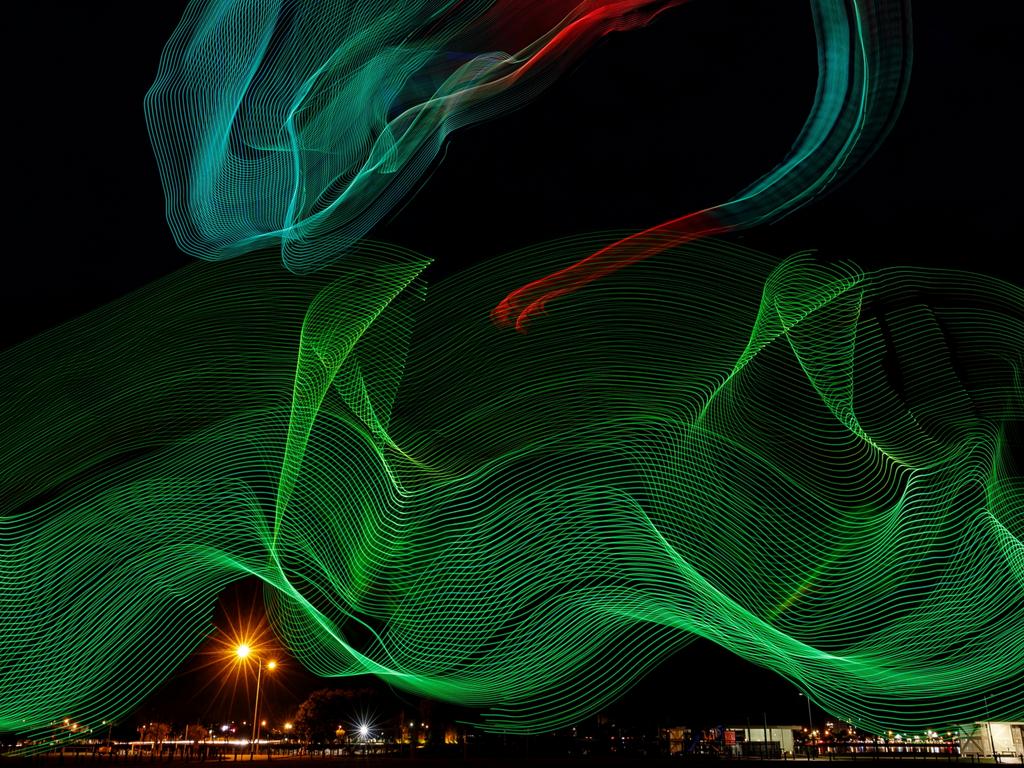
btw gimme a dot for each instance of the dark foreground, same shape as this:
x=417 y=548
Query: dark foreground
x=85 y=761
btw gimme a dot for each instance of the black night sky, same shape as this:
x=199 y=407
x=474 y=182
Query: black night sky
x=648 y=125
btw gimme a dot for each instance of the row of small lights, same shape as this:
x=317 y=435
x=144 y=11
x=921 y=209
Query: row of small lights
x=243 y=651
x=890 y=734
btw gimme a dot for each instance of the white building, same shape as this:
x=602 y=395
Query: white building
x=1006 y=739
x=783 y=735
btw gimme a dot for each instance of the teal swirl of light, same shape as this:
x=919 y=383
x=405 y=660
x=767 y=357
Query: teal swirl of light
x=813 y=466
x=298 y=124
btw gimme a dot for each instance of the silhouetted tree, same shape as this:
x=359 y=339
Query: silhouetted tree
x=158 y=733
x=197 y=732
x=320 y=715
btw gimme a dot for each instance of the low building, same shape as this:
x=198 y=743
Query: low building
x=772 y=742
x=984 y=739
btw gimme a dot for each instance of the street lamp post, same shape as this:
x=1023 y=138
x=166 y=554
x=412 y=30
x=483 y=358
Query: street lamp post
x=810 y=724
x=244 y=652
x=991 y=735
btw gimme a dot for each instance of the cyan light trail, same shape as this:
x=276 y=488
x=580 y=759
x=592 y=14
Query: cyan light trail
x=299 y=124
x=809 y=465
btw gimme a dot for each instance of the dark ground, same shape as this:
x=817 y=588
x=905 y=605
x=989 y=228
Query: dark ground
x=471 y=762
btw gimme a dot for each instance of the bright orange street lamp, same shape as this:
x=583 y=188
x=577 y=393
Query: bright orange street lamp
x=243 y=651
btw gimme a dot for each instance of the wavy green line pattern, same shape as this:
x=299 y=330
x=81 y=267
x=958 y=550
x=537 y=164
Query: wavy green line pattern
x=813 y=466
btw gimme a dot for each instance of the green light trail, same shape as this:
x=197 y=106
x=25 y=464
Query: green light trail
x=807 y=464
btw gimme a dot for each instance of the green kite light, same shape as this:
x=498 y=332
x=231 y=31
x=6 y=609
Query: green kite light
x=809 y=465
